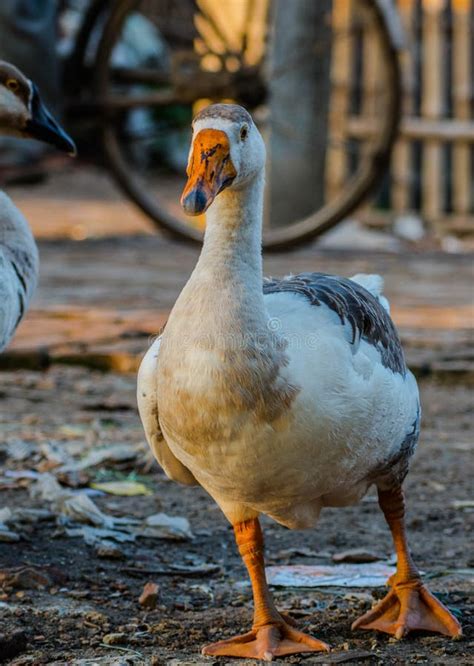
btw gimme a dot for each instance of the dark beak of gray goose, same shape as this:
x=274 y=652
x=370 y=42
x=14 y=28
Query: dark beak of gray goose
x=43 y=127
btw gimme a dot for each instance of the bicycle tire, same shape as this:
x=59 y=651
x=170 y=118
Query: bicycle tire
x=74 y=68
x=367 y=177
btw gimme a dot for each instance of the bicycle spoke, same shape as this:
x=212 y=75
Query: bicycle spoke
x=210 y=21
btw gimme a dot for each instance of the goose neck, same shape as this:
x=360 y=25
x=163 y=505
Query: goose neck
x=233 y=237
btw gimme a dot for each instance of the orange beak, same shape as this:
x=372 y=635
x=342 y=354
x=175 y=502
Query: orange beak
x=210 y=170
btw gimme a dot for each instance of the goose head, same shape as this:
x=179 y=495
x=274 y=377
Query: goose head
x=227 y=151
x=23 y=114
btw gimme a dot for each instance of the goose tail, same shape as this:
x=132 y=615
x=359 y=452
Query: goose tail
x=374 y=284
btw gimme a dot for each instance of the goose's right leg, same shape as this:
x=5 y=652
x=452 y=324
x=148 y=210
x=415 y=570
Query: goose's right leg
x=271 y=635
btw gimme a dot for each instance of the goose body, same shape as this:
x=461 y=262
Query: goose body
x=335 y=403
x=279 y=396
x=22 y=114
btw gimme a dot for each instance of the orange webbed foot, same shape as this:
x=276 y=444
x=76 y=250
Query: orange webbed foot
x=409 y=607
x=266 y=642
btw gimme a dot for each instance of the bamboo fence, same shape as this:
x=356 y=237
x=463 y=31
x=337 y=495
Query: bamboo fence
x=432 y=167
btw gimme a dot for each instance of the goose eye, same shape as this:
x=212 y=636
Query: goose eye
x=12 y=84
x=243 y=132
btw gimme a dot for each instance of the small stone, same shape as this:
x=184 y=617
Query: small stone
x=96 y=618
x=109 y=551
x=439 y=651
x=149 y=597
x=409 y=227
x=113 y=639
x=358 y=596
x=79 y=594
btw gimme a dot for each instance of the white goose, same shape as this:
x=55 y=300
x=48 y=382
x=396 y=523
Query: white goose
x=21 y=114
x=280 y=400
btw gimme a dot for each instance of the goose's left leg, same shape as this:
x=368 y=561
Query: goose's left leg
x=409 y=605
x=271 y=635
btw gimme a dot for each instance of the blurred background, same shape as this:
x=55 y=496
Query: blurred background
x=366 y=107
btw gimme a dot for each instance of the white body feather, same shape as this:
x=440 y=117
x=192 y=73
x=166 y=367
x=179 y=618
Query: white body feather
x=18 y=268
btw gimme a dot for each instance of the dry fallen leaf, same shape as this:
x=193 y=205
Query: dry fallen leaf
x=122 y=488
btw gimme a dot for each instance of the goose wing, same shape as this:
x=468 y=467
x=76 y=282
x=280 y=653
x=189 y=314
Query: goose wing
x=363 y=313
x=148 y=409
x=358 y=303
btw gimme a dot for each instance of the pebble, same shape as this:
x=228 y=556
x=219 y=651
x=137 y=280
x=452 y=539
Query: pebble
x=113 y=639
x=409 y=227
x=149 y=597
x=358 y=596
x=109 y=551
x=96 y=618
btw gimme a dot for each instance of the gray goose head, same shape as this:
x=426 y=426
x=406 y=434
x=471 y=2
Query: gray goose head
x=23 y=114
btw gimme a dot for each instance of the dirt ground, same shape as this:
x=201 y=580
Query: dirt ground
x=86 y=597
x=65 y=601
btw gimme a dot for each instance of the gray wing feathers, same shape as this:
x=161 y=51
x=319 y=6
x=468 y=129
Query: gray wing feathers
x=355 y=306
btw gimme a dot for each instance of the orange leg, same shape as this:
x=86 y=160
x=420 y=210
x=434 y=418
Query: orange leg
x=271 y=634
x=409 y=605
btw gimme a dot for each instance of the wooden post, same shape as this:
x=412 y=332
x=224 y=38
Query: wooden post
x=342 y=51
x=299 y=94
x=432 y=76
x=401 y=159
x=372 y=93
x=462 y=90
x=371 y=58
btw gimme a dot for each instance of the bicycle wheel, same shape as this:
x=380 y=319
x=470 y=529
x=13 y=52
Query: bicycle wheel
x=187 y=56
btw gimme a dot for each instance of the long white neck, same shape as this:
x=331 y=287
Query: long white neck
x=224 y=293
x=233 y=239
